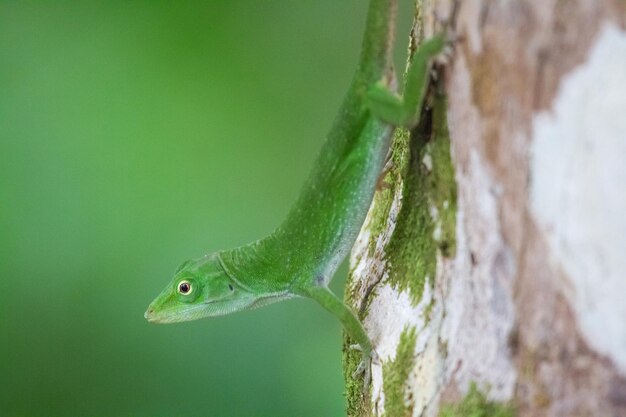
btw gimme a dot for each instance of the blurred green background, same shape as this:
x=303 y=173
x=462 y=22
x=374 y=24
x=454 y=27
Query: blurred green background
x=134 y=135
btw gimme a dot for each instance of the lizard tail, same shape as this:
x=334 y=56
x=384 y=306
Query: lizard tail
x=378 y=40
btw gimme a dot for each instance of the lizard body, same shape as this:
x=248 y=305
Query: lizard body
x=300 y=257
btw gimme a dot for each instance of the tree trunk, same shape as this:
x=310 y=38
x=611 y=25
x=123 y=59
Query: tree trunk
x=491 y=271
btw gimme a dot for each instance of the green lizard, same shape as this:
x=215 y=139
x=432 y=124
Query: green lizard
x=300 y=257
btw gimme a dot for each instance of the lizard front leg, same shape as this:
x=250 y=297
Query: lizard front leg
x=350 y=322
x=404 y=110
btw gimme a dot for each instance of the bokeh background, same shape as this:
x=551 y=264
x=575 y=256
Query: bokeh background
x=133 y=136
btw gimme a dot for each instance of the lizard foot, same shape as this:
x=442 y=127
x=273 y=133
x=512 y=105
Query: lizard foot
x=364 y=368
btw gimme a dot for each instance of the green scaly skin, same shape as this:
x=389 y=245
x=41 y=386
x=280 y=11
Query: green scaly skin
x=300 y=257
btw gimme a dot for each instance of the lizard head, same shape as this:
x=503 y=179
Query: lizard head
x=200 y=288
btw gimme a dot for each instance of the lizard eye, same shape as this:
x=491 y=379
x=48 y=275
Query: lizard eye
x=184 y=287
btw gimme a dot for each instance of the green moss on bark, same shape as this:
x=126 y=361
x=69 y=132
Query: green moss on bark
x=475 y=404
x=427 y=219
x=396 y=374
x=422 y=166
x=422 y=171
x=390 y=184
x=357 y=401
x=442 y=182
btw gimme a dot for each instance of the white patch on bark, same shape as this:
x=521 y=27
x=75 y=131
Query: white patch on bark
x=368 y=270
x=427 y=160
x=479 y=302
x=389 y=314
x=578 y=190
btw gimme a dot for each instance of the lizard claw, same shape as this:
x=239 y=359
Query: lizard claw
x=364 y=367
x=359 y=369
x=365 y=370
x=375 y=358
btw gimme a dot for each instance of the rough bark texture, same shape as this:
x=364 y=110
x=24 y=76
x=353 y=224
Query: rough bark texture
x=491 y=272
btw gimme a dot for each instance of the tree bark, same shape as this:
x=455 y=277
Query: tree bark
x=491 y=271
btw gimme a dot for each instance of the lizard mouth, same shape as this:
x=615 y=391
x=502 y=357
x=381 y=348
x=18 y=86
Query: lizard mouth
x=172 y=316
x=211 y=308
